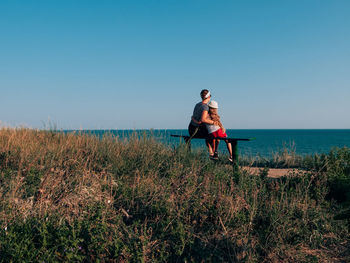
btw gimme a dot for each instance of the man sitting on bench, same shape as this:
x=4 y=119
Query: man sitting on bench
x=197 y=127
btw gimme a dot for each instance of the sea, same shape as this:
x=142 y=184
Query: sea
x=267 y=142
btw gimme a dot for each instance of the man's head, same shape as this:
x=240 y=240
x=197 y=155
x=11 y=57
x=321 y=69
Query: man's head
x=205 y=94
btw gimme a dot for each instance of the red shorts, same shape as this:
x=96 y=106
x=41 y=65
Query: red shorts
x=218 y=133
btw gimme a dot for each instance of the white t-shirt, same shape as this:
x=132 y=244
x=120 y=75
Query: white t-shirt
x=212 y=128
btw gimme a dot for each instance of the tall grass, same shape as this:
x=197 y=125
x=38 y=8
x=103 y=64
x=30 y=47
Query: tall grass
x=76 y=197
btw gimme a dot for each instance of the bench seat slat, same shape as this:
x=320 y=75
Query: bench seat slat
x=220 y=138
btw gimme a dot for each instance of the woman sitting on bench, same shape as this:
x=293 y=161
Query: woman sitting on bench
x=216 y=130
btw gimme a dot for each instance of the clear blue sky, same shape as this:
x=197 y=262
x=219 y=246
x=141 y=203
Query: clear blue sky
x=141 y=64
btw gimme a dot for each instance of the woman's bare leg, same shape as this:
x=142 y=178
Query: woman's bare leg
x=229 y=147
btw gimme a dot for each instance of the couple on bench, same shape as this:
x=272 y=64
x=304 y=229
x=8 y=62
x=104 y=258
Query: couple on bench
x=205 y=123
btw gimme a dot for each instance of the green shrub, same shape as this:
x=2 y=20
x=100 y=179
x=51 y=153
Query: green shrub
x=338 y=173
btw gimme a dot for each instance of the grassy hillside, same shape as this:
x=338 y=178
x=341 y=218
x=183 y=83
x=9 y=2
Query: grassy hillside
x=74 y=197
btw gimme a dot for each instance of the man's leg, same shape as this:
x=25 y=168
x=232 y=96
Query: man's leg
x=210 y=145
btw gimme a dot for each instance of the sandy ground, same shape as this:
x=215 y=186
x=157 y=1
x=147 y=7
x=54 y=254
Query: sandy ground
x=273 y=172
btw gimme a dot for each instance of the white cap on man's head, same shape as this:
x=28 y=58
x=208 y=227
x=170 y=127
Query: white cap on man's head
x=213 y=104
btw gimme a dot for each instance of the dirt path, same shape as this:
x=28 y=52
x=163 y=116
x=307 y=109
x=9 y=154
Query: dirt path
x=273 y=172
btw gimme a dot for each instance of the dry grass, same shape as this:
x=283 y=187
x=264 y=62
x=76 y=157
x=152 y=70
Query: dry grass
x=66 y=165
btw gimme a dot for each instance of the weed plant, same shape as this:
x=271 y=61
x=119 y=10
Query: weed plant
x=75 y=197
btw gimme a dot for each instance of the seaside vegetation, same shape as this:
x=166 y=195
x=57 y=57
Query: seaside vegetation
x=80 y=198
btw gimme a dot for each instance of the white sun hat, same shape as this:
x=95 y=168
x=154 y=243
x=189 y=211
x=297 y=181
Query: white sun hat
x=213 y=104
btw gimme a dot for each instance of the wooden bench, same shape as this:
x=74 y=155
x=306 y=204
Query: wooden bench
x=233 y=141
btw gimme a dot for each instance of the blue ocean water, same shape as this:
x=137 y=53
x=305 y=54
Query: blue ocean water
x=267 y=142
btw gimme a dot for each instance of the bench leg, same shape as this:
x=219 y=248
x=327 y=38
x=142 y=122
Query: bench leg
x=235 y=155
